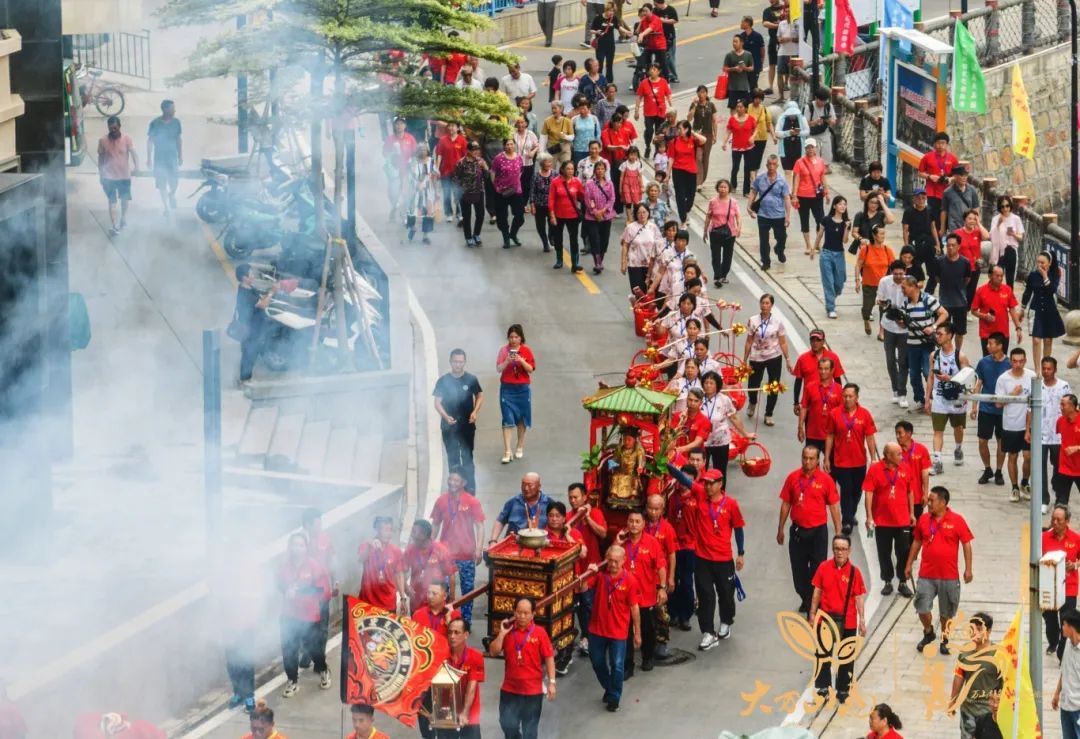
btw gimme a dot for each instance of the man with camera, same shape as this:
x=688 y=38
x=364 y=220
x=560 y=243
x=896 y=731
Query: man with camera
x=890 y=296
x=1016 y=421
x=922 y=314
x=943 y=402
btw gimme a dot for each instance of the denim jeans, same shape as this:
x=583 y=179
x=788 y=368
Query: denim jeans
x=918 y=364
x=896 y=361
x=451 y=198
x=608 y=657
x=467 y=578
x=681 y=605
x=1070 y=724
x=833 y=275
x=519 y=715
x=583 y=606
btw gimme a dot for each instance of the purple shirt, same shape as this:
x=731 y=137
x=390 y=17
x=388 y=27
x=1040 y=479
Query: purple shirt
x=597 y=196
x=506 y=173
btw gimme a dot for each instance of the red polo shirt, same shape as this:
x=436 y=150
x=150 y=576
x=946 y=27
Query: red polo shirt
x=1069 y=464
x=425 y=567
x=1000 y=301
x=621 y=137
x=809 y=496
x=935 y=164
x=1071 y=546
x=655 y=41
x=525 y=652
x=698 y=426
x=612 y=601
x=312 y=588
x=890 y=489
x=683 y=153
x=664 y=533
x=322 y=549
x=833 y=582
x=941 y=541
x=472 y=664
x=434 y=621
x=849 y=436
x=917 y=459
x=713 y=526
x=819 y=402
x=450 y=152
x=644 y=560
x=806 y=365
x=457 y=519
x=381 y=566
x=681 y=509
x=589 y=539
x=970 y=245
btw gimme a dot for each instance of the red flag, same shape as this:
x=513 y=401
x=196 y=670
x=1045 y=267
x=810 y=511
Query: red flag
x=387 y=661
x=846 y=28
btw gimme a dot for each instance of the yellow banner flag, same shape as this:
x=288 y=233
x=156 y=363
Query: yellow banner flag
x=1023 y=142
x=794 y=10
x=1016 y=712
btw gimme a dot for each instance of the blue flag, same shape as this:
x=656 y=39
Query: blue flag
x=899 y=15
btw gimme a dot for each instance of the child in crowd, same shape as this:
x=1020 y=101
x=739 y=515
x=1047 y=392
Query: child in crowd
x=664 y=183
x=631 y=182
x=553 y=76
x=660 y=159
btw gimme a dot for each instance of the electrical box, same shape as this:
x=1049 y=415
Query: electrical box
x=1052 y=581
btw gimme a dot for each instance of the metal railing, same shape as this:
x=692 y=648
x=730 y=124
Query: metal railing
x=122 y=53
x=491 y=7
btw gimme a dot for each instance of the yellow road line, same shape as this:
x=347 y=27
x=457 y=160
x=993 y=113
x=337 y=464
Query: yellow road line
x=583 y=278
x=223 y=259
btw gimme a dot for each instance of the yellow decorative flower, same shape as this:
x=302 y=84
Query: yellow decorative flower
x=738 y=329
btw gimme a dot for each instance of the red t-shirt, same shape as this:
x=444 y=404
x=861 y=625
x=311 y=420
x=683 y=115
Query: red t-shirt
x=971 y=247
x=513 y=374
x=1000 y=301
x=849 y=436
x=1069 y=464
x=1071 y=547
x=655 y=41
x=890 y=489
x=405 y=146
x=683 y=153
x=434 y=621
x=935 y=164
x=425 y=567
x=312 y=588
x=563 y=195
x=629 y=129
x=381 y=566
x=742 y=134
x=644 y=560
x=610 y=137
x=819 y=403
x=697 y=426
x=833 y=583
x=941 y=541
x=472 y=664
x=917 y=459
x=454 y=63
x=654 y=96
x=525 y=652
x=809 y=496
x=458 y=521
x=589 y=538
x=681 y=510
x=450 y=152
x=664 y=533
x=322 y=549
x=612 y=601
x=806 y=365
x=713 y=526
x=810 y=176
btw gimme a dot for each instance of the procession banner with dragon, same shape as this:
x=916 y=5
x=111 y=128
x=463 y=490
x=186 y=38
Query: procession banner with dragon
x=387 y=661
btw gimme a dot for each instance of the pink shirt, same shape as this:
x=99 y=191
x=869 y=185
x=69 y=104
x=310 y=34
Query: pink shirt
x=644 y=243
x=599 y=197
x=765 y=337
x=506 y=173
x=723 y=212
x=113 y=154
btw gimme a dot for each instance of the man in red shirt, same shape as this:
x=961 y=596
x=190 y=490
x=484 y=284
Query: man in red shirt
x=426 y=561
x=1068 y=473
x=681 y=508
x=994 y=304
x=806 y=366
x=938 y=535
x=937 y=166
x=654 y=94
x=436 y=613
x=890 y=513
x=304 y=585
x=450 y=150
x=528 y=653
x=840 y=591
x=818 y=401
x=615 y=614
x=850 y=437
x=398 y=150
x=363 y=723
x=647 y=561
x=693 y=427
x=1061 y=538
x=809 y=496
x=321 y=549
x=383 y=579
x=464 y=658
x=458 y=522
x=591 y=526
x=917 y=458
x=661 y=529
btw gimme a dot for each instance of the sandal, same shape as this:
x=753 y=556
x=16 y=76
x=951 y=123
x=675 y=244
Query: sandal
x=507 y=458
x=520 y=452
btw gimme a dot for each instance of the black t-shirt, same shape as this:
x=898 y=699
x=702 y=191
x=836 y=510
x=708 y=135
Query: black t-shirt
x=457 y=395
x=918 y=223
x=755 y=44
x=916 y=271
x=952 y=282
x=669 y=13
x=834 y=234
x=772 y=15
x=867 y=183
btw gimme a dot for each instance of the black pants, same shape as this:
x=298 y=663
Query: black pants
x=639 y=277
x=744 y=159
x=519 y=715
x=541 y=220
x=722 y=250
x=926 y=257
x=717 y=458
x=685 y=189
x=714 y=581
x=296 y=635
x=776 y=225
x=843 y=675
x=599 y=234
x=516 y=205
x=807 y=549
x=1062 y=485
x=472 y=218
x=1052 y=621
x=808 y=206
x=605 y=55
x=527 y=173
x=1050 y=453
x=652 y=123
x=652 y=56
x=648 y=641
x=890 y=539
x=240 y=663
x=849 y=480
x=459 y=441
x=775 y=368
x=465 y=732
x=555 y=233
x=251 y=347
x=1007 y=262
x=489 y=196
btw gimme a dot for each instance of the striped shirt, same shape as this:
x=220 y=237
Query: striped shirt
x=920 y=314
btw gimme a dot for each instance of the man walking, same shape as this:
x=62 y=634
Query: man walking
x=771 y=194
x=681 y=509
x=164 y=153
x=890 y=296
x=529 y=656
x=916 y=458
x=922 y=315
x=754 y=44
x=1060 y=537
x=994 y=304
x=1053 y=390
x=739 y=65
x=591 y=528
x=545 y=17
x=936 y=166
x=943 y=401
x=117 y=162
x=840 y=591
x=938 y=536
x=770 y=18
x=646 y=561
x=954 y=272
x=661 y=529
x=1068 y=473
x=992 y=366
x=615 y=612
x=458 y=522
x=851 y=435
x=806 y=366
x=1067 y=694
x=890 y=514
x=956 y=201
x=819 y=400
x=809 y=496
x=921 y=232
x=1016 y=421
x=458 y=398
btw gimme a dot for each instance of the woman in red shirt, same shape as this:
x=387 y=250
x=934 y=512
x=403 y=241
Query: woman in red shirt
x=972 y=234
x=566 y=199
x=741 y=127
x=884 y=722
x=516 y=365
x=808 y=184
x=683 y=153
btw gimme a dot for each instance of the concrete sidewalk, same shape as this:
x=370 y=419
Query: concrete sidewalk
x=890 y=669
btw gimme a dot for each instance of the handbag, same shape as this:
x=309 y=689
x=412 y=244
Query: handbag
x=756 y=205
x=720 y=93
x=237 y=330
x=725 y=229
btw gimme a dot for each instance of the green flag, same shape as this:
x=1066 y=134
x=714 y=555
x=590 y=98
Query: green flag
x=968 y=83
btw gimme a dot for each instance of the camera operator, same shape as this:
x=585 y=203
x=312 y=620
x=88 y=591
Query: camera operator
x=890 y=295
x=922 y=314
x=944 y=403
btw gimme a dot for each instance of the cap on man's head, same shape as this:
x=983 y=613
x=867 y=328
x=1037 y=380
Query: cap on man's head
x=817 y=333
x=959 y=170
x=920 y=191
x=811 y=142
x=712 y=475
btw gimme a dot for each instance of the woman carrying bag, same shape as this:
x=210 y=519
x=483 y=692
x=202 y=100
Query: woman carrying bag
x=722 y=224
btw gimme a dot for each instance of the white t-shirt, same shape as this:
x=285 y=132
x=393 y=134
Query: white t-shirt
x=765 y=336
x=788 y=48
x=1051 y=399
x=1014 y=415
x=568 y=88
x=719 y=409
x=945 y=364
x=522 y=87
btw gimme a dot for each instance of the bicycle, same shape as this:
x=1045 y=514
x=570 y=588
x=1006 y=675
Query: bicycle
x=107 y=99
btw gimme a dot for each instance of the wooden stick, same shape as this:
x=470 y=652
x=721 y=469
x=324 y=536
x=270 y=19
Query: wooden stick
x=471 y=595
x=549 y=598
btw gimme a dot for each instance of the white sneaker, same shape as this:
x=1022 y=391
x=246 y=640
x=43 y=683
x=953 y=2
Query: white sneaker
x=708 y=641
x=904 y=402
x=895 y=399
x=324 y=679
x=725 y=631
x=937 y=468
x=1045 y=509
x=583 y=647
x=291 y=689
x=1014 y=496
x=832 y=314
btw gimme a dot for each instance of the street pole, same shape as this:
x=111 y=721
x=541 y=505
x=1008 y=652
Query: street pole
x=815 y=41
x=1074 y=184
x=1035 y=625
x=241 y=101
x=212 y=438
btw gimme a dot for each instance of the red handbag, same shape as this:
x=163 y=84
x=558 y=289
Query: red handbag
x=721 y=86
